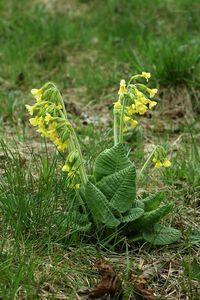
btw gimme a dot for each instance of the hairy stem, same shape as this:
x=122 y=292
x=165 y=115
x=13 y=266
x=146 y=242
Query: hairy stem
x=74 y=144
x=121 y=125
x=146 y=163
x=115 y=130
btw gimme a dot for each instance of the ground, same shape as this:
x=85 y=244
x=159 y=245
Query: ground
x=86 y=48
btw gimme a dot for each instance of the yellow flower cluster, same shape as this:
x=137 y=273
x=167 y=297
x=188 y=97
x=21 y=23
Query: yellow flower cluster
x=135 y=97
x=160 y=158
x=160 y=164
x=47 y=115
x=70 y=167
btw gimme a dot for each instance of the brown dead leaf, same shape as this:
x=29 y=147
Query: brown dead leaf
x=141 y=287
x=109 y=285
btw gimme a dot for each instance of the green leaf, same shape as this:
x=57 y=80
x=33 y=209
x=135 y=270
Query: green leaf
x=84 y=228
x=153 y=201
x=99 y=206
x=194 y=237
x=162 y=235
x=119 y=188
x=152 y=217
x=110 y=161
x=192 y=269
x=139 y=203
x=132 y=215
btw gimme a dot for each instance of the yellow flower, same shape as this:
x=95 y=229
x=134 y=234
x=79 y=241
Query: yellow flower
x=134 y=123
x=66 y=168
x=146 y=75
x=61 y=146
x=34 y=121
x=122 y=88
x=30 y=109
x=41 y=122
x=52 y=135
x=131 y=109
x=77 y=186
x=138 y=93
x=154 y=160
x=126 y=118
x=52 y=126
x=125 y=129
x=43 y=131
x=158 y=164
x=140 y=108
x=152 y=104
x=37 y=93
x=167 y=163
x=152 y=92
x=117 y=105
x=48 y=118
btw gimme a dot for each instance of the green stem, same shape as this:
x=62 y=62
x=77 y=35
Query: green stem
x=146 y=163
x=121 y=125
x=71 y=144
x=82 y=170
x=115 y=130
x=74 y=144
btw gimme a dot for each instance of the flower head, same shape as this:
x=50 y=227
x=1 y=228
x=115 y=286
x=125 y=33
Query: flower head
x=37 y=93
x=30 y=109
x=34 y=121
x=48 y=118
x=134 y=123
x=66 y=168
x=158 y=164
x=152 y=92
x=117 y=105
x=167 y=163
x=146 y=75
x=152 y=104
x=122 y=88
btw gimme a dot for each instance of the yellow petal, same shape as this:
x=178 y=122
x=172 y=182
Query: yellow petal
x=66 y=168
x=134 y=123
x=152 y=104
x=48 y=118
x=122 y=88
x=158 y=164
x=167 y=163
x=117 y=105
x=37 y=93
x=30 y=109
x=126 y=118
x=152 y=92
x=33 y=121
x=146 y=75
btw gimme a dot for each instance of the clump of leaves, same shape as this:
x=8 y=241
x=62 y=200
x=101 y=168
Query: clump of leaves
x=108 y=195
x=111 y=199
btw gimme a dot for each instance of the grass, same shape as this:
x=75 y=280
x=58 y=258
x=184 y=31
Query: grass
x=86 y=47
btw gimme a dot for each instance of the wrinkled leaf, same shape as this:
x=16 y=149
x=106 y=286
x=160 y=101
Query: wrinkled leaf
x=110 y=161
x=99 y=206
x=134 y=214
x=161 y=235
x=153 y=201
x=152 y=217
x=119 y=188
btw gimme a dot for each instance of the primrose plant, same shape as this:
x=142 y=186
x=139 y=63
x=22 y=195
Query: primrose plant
x=108 y=195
